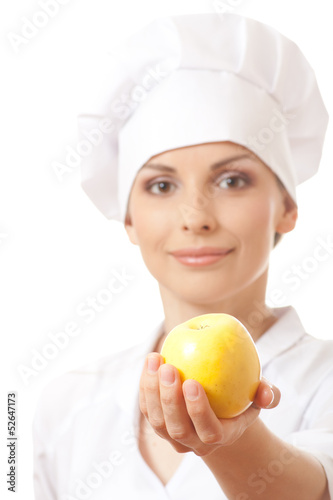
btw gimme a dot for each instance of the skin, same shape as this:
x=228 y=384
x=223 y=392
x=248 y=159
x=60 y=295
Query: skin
x=239 y=206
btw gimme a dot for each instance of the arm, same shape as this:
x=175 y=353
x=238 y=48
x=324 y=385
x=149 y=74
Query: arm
x=245 y=457
x=260 y=463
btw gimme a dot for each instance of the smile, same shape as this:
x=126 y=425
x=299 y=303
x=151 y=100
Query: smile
x=200 y=257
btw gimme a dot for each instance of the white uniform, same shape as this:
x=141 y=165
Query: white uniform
x=85 y=426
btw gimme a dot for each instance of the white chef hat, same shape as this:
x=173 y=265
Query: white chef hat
x=198 y=78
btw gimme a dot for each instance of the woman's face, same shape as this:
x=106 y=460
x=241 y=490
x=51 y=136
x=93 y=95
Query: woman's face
x=209 y=195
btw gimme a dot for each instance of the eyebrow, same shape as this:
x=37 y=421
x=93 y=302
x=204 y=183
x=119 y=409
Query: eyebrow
x=214 y=166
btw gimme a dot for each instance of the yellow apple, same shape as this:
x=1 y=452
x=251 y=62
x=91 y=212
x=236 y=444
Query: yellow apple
x=217 y=351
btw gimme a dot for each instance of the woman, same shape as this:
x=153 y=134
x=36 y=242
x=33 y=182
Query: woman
x=202 y=161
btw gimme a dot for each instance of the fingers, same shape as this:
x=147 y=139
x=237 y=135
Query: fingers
x=162 y=403
x=181 y=413
x=186 y=422
x=268 y=395
x=207 y=425
x=149 y=387
x=177 y=421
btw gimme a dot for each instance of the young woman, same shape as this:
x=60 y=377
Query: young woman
x=202 y=173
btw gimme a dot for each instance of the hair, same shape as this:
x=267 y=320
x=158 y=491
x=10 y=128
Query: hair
x=277 y=238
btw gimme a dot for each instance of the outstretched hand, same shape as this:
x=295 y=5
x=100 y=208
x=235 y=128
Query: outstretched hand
x=181 y=413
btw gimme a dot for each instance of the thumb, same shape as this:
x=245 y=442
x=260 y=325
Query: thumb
x=267 y=396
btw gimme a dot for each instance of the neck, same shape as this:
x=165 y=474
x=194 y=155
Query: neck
x=248 y=306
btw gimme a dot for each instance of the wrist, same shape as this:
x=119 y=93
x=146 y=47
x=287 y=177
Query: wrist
x=249 y=440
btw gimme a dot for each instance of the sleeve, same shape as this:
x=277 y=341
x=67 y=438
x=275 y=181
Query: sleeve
x=58 y=403
x=316 y=431
x=61 y=400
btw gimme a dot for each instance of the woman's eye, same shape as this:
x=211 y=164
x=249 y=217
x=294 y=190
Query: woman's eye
x=160 y=187
x=232 y=181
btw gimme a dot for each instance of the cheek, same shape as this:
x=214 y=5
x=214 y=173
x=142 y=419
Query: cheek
x=252 y=222
x=261 y=216
x=151 y=231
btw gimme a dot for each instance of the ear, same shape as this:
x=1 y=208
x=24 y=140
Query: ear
x=129 y=228
x=288 y=218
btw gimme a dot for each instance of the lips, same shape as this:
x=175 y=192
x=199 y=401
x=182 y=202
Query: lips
x=203 y=256
x=198 y=252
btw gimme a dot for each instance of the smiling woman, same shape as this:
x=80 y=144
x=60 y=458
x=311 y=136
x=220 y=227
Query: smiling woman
x=239 y=219
x=202 y=173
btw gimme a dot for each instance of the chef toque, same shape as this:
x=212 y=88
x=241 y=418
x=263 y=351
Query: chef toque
x=199 y=78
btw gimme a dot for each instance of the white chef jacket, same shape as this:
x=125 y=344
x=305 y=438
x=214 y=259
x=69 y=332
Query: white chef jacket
x=86 y=422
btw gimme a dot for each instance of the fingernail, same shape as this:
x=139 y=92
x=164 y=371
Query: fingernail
x=272 y=393
x=153 y=364
x=167 y=375
x=191 y=391
x=267 y=382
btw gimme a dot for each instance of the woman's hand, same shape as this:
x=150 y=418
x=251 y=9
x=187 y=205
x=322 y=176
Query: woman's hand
x=182 y=415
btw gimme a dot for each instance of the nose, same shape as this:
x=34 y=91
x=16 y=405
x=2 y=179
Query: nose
x=191 y=227
x=197 y=219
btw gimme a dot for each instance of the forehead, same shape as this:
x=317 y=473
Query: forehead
x=211 y=150
x=212 y=156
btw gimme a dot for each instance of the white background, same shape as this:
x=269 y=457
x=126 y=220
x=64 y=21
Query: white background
x=56 y=249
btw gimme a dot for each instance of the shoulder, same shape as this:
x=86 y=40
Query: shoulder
x=316 y=352
x=291 y=334
x=316 y=345
x=289 y=349
x=316 y=355
x=82 y=379
x=90 y=385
